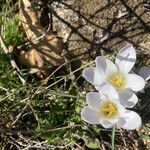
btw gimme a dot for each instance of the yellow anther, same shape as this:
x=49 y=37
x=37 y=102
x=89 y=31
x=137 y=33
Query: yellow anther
x=117 y=81
x=109 y=109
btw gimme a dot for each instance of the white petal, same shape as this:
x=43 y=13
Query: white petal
x=107 y=124
x=130 y=120
x=90 y=116
x=93 y=100
x=98 y=79
x=144 y=72
x=88 y=74
x=101 y=65
x=105 y=67
x=107 y=89
x=121 y=109
x=127 y=98
x=126 y=58
x=111 y=68
x=113 y=120
x=134 y=82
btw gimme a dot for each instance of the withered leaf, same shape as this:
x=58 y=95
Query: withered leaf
x=45 y=46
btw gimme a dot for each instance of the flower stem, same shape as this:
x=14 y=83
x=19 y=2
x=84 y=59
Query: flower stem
x=113 y=138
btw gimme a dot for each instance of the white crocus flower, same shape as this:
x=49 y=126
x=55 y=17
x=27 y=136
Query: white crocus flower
x=118 y=75
x=105 y=109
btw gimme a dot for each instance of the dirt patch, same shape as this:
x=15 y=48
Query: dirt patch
x=102 y=26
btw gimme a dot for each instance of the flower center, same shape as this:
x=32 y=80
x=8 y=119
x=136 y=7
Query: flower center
x=117 y=81
x=109 y=109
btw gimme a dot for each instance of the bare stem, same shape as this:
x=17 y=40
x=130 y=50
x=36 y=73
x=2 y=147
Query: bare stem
x=113 y=138
x=14 y=65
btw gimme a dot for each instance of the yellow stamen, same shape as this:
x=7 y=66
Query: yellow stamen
x=109 y=109
x=117 y=81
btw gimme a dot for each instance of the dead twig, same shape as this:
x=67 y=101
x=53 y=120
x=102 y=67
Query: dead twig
x=14 y=65
x=2 y=130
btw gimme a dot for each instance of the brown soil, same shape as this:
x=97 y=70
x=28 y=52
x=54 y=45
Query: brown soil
x=103 y=26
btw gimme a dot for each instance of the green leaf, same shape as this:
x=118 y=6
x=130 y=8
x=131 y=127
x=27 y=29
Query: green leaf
x=92 y=145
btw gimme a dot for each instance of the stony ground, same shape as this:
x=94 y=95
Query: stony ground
x=103 y=26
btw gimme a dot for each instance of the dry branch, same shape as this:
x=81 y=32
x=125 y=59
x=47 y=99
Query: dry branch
x=14 y=65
